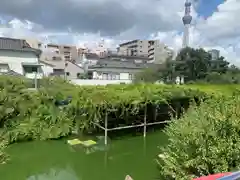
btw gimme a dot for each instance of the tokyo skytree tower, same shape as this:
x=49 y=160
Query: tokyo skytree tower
x=187 y=18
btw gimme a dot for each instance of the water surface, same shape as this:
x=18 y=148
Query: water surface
x=56 y=160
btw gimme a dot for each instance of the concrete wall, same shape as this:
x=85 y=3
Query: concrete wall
x=15 y=59
x=110 y=75
x=46 y=69
x=88 y=82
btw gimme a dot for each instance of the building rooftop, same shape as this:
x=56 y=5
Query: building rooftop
x=109 y=63
x=127 y=57
x=11 y=73
x=16 y=45
x=129 y=42
x=91 y=56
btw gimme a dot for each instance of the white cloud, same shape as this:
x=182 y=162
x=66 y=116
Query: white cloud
x=220 y=31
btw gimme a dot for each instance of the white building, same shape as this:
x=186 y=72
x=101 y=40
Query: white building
x=55 y=64
x=47 y=68
x=17 y=56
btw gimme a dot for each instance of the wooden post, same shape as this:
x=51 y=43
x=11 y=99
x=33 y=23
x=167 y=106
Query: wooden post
x=106 y=125
x=145 y=122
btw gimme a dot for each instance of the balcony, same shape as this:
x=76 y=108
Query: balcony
x=151 y=49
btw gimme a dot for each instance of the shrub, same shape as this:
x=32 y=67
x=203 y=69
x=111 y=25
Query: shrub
x=205 y=141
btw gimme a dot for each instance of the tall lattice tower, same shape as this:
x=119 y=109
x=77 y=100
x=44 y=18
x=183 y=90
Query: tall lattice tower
x=187 y=18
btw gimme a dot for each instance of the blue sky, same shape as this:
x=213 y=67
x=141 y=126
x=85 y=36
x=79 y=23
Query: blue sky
x=207 y=7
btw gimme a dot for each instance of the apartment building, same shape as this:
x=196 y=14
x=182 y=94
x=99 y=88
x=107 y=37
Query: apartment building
x=82 y=51
x=154 y=50
x=70 y=53
x=134 y=48
x=214 y=53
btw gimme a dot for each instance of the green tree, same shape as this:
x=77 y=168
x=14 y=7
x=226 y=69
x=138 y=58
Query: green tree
x=195 y=65
x=148 y=75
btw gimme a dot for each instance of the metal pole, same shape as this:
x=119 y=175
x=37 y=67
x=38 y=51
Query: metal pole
x=65 y=77
x=145 y=122
x=36 y=85
x=106 y=124
x=155 y=113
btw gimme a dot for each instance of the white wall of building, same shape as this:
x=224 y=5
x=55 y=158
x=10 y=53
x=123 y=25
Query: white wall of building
x=14 y=59
x=47 y=69
x=117 y=76
x=124 y=76
x=88 y=82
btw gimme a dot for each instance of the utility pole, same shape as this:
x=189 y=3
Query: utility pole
x=35 y=81
x=65 y=65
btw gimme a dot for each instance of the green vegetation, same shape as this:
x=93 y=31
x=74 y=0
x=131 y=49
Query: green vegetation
x=33 y=115
x=27 y=115
x=196 y=66
x=205 y=140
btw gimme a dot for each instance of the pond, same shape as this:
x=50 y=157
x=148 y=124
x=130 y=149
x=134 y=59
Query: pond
x=56 y=160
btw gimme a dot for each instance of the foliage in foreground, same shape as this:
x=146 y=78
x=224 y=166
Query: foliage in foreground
x=26 y=115
x=205 y=141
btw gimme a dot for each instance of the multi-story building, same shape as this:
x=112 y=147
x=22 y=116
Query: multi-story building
x=134 y=48
x=154 y=50
x=17 y=57
x=70 y=53
x=214 y=53
x=159 y=52
x=82 y=51
x=61 y=67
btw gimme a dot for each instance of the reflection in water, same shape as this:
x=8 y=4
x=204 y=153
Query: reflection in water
x=56 y=174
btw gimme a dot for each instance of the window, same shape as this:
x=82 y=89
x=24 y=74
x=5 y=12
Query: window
x=4 y=68
x=30 y=69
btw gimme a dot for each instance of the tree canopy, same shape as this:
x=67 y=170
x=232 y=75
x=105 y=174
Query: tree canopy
x=195 y=65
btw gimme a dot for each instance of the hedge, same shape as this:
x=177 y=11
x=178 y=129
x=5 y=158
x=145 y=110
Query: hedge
x=206 y=140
